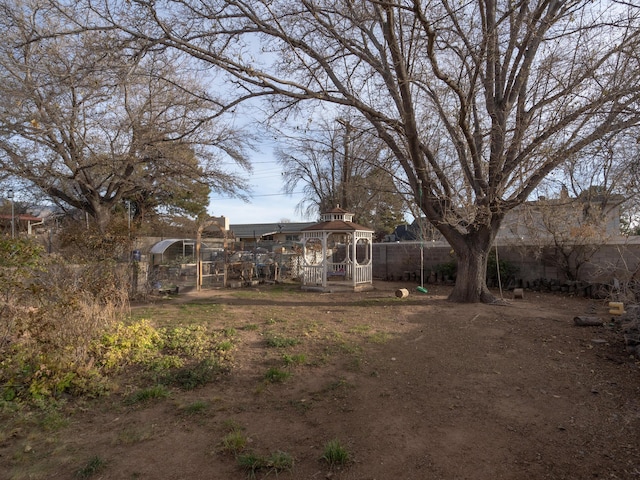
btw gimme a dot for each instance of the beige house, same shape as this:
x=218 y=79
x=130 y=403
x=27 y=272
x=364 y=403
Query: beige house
x=586 y=219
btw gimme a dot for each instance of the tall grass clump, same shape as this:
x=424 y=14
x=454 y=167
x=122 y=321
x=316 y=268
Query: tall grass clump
x=51 y=313
x=275 y=462
x=275 y=375
x=234 y=442
x=94 y=466
x=156 y=392
x=335 y=454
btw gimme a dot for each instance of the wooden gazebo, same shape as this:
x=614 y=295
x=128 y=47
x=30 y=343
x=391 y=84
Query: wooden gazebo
x=337 y=253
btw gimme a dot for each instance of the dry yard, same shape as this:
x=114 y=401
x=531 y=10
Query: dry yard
x=414 y=388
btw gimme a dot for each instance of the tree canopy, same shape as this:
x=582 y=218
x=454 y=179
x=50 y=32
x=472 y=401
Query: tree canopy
x=343 y=163
x=478 y=100
x=92 y=121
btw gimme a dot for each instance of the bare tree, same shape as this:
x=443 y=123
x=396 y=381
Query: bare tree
x=342 y=163
x=478 y=101
x=91 y=121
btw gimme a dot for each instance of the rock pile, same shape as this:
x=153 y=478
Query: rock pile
x=630 y=323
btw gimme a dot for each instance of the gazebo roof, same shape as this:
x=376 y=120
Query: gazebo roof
x=337 y=220
x=338 y=226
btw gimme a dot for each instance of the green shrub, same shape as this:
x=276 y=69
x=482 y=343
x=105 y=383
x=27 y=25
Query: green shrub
x=225 y=346
x=62 y=329
x=507 y=269
x=139 y=342
x=192 y=340
x=166 y=363
x=448 y=269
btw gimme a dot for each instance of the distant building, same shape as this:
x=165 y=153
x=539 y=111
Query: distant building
x=419 y=230
x=596 y=216
x=23 y=223
x=535 y=220
x=275 y=233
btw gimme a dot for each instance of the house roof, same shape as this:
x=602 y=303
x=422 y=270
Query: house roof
x=338 y=210
x=257 y=230
x=22 y=216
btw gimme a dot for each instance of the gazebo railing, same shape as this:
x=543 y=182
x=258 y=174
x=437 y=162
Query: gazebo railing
x=363 y=274
x=312 y=275
x=339 y=271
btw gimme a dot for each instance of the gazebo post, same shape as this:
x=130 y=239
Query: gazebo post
x=353 y=259
x=325 y=236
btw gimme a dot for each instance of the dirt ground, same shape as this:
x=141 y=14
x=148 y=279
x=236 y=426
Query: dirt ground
x=414 y=388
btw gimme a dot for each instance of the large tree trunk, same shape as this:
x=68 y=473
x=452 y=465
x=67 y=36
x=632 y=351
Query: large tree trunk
x=472 y=252
x=102 y=216
x=471 y=283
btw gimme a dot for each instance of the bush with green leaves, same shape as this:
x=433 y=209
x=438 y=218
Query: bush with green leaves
x=137 y=343
x=63 y=329
x=448 y=269
x=192 y=376
x=192 y=340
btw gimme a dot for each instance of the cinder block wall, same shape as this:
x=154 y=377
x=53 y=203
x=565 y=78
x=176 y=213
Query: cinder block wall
x=401 y=260
x=395 y=261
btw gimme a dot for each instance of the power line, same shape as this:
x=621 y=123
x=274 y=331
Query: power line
x=262 y=195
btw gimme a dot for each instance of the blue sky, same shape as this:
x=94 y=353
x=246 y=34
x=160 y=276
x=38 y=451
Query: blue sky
x=267 y=204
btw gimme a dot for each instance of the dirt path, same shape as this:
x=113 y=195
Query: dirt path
x=432 y=391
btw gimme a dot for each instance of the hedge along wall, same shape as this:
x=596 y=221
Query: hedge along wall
x=616 y=260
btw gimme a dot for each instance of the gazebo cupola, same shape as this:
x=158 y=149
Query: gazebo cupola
x=337 y=252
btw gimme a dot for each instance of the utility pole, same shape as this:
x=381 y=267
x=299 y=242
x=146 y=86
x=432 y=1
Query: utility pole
x=345 y=176
x=13 y=216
